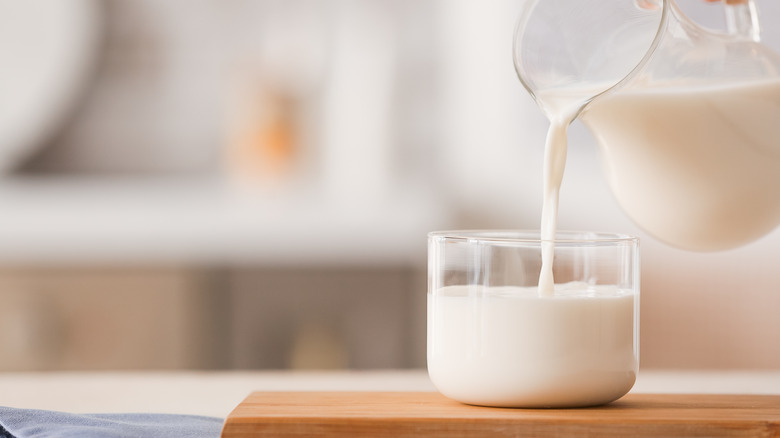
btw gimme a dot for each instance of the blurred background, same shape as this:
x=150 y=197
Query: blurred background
x=247 y=184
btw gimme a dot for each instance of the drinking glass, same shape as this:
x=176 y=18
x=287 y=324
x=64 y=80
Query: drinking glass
x=493 y=340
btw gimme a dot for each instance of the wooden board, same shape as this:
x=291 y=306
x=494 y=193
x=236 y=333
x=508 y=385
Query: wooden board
x=429 y=414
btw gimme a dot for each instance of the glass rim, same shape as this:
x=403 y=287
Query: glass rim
x=566 y=237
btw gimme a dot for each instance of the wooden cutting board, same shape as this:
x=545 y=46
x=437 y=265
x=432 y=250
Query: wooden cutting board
x=429 y=414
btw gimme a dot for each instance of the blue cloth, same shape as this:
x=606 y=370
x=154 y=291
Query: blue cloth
x=33 y=423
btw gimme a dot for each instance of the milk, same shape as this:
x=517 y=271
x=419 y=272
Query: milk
x=507 y=346
x=561 y=109
x=696 y=166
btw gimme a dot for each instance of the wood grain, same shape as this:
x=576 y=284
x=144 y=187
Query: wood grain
x=429 y=414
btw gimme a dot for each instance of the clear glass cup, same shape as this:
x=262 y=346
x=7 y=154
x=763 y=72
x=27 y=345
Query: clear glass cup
x=493 y=340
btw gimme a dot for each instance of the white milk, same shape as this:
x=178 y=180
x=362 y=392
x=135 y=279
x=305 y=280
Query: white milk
x=697 y=167
x=561 y=109
x=507 y=346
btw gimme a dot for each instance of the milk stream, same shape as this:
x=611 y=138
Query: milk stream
x=561 y=110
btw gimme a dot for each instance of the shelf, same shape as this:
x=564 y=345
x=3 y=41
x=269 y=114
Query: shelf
x=48 y=220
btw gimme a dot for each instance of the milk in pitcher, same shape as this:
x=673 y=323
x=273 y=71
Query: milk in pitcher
x=696 y=166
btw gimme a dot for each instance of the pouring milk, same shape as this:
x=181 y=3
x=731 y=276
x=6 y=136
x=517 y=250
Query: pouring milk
x=562 y=111
x=689 y=138
x=696 y=166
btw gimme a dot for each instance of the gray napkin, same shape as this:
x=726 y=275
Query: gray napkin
x=33 y=423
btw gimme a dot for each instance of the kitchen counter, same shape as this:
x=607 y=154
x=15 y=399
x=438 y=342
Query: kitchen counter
x=217 y=393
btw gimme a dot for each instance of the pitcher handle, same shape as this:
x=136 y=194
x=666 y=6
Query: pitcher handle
x=742 y=19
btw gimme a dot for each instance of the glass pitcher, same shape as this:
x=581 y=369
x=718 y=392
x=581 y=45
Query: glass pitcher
x=687 y=119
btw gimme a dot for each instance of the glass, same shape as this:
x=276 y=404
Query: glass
x=591 y=46
x=586 y=46
x=494 y=341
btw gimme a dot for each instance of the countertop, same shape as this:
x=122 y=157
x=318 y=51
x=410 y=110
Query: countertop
x=217 y=393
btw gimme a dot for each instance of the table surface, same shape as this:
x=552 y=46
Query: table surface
x=430 y=414
x=217 y=393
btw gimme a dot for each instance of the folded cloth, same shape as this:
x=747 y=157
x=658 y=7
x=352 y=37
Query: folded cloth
x=33 y=423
